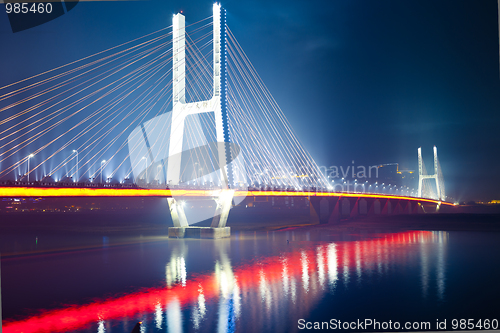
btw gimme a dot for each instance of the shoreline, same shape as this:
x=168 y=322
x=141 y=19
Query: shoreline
x=157 y=225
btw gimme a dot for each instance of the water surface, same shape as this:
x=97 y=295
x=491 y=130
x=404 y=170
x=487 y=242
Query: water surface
x=263 y=282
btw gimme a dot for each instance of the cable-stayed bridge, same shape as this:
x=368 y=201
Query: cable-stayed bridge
x=180 y=113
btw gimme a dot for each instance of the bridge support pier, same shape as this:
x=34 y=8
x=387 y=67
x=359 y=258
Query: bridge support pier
x=355 y=209
x=324 y=210
x=397 y=208
x=224 y=202
x=177 y=213
x=332 y=209
x=218 y=229
x=408 y=209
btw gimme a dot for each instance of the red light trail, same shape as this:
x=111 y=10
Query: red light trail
x=127 y=192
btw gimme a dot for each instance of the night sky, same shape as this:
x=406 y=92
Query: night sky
x=369 y=81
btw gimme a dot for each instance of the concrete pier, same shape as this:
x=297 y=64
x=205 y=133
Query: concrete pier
x=333 y=209
x=199 y=232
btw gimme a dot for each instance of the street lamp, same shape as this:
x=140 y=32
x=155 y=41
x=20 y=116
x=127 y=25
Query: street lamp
x=29 y=156
x=145 y=158
x=77 y=178
x=102 y=162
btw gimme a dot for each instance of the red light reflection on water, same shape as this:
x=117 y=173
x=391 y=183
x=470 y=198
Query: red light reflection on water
x=299 y=262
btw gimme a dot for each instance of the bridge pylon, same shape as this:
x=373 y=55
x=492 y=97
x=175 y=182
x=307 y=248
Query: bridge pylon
x=437 y=176
x=217 y=104
x=181 y=110
x=174 y=142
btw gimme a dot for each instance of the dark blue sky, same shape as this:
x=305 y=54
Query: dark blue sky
x=369 y=81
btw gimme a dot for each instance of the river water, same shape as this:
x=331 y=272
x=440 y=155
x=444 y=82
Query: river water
x=278 y=281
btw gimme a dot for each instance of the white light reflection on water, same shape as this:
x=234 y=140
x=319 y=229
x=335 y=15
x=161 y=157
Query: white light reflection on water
x=379 y=257
x=228 y=290
x=440 y=267
x=305 y=271
x=237 y=300
x=175 y=271
x=100 y=327
x=285 y=277
x=332 y=266
x=357 y=253
x=158 y=315
x=424 y=267
x=293 y=289
x=200 y=309
x=265 y=290
x=346 y=268
x=321 y=267
x=174 y=316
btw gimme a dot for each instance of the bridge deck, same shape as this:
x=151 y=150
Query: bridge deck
x=135 y=192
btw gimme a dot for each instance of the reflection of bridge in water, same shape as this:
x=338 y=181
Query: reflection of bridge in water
x=272 y=292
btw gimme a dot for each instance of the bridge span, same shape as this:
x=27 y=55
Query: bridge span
x=325 y=207
x=35 y=191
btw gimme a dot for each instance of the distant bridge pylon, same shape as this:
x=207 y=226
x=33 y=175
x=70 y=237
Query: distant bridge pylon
x=425 y=191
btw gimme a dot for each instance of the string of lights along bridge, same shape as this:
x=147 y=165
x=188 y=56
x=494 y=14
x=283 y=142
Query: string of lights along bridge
x=180 y=108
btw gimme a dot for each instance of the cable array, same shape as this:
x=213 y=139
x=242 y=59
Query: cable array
x=85 y=121
x=273 y=153
x=86 y=107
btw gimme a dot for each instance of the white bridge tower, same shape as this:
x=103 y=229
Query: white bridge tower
x=148 y=141
x=437 y=176
x=217 y=104
x=181 y=110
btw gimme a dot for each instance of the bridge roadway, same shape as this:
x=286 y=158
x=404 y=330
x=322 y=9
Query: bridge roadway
x=326 y=207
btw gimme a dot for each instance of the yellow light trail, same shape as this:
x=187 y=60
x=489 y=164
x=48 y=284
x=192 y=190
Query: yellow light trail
x=15 y=192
